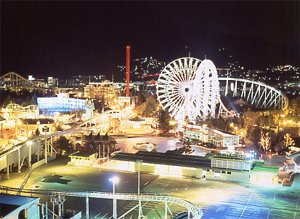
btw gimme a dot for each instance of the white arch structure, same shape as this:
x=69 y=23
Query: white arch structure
x=255 y=93
x=194 y=211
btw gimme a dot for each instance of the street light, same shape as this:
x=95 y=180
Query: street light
x=139 y=187
x=114 y=180
x=29 y=143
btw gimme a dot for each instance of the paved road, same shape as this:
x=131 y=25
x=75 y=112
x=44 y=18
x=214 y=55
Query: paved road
x=232 y=200
x=163 y=144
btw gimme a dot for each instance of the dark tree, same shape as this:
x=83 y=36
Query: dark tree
x=64 y=144
x=164 y=120
x=37 y=132
x=151 y=106
x=253 y=134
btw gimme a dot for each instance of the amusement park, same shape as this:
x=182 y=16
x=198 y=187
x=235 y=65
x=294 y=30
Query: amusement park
x=191 y=98
x=187 y=138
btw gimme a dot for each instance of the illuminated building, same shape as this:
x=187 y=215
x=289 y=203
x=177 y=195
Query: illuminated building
x=83 y=158
x=52 y=82
x=90 y=107
x=209 y=135
x=28 y=127
x=61 y=103
x=124 y=101
x=218 y=167
x=224 y=167
x=81 y=80
x=104 y=91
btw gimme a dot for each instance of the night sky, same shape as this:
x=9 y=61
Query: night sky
x=70 y=38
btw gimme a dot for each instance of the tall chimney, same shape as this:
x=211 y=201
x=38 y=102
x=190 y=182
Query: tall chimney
x=127 y=70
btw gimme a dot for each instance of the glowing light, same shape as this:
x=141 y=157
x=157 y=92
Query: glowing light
x=172 y=122
x=114 y=179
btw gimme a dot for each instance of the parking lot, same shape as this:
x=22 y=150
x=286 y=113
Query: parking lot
x=218 y=199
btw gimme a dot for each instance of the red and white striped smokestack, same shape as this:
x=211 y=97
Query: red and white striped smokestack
x=127 y=70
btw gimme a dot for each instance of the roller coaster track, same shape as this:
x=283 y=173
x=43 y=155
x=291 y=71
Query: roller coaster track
x=194 y=210
x=13 y=80
x=255 y=93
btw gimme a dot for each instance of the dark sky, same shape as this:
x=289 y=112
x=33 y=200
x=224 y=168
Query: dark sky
x=74 y=37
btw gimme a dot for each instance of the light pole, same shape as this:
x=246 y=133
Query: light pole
x=114 y=180
x=139 y=187
x=29 y=143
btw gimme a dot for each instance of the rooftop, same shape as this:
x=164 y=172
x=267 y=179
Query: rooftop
x=82 y=154
x=166 y=159
x=8 y=203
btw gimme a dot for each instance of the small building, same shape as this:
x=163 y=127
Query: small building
x=179 y=166
x=16 y=206
x=205 y=134
x=225 y=139
x=264 y=175
x=83 y=158
x=105 y=91
x=28 y=127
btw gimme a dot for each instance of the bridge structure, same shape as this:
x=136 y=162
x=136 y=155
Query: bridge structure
x=20 y=154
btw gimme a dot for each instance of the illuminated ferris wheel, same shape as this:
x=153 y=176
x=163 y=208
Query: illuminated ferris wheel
x=188 y=87
x=206 y=88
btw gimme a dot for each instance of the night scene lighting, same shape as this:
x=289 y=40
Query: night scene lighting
x=134 y=109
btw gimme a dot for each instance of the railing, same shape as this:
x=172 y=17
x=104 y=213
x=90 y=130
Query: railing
x=194 y=210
